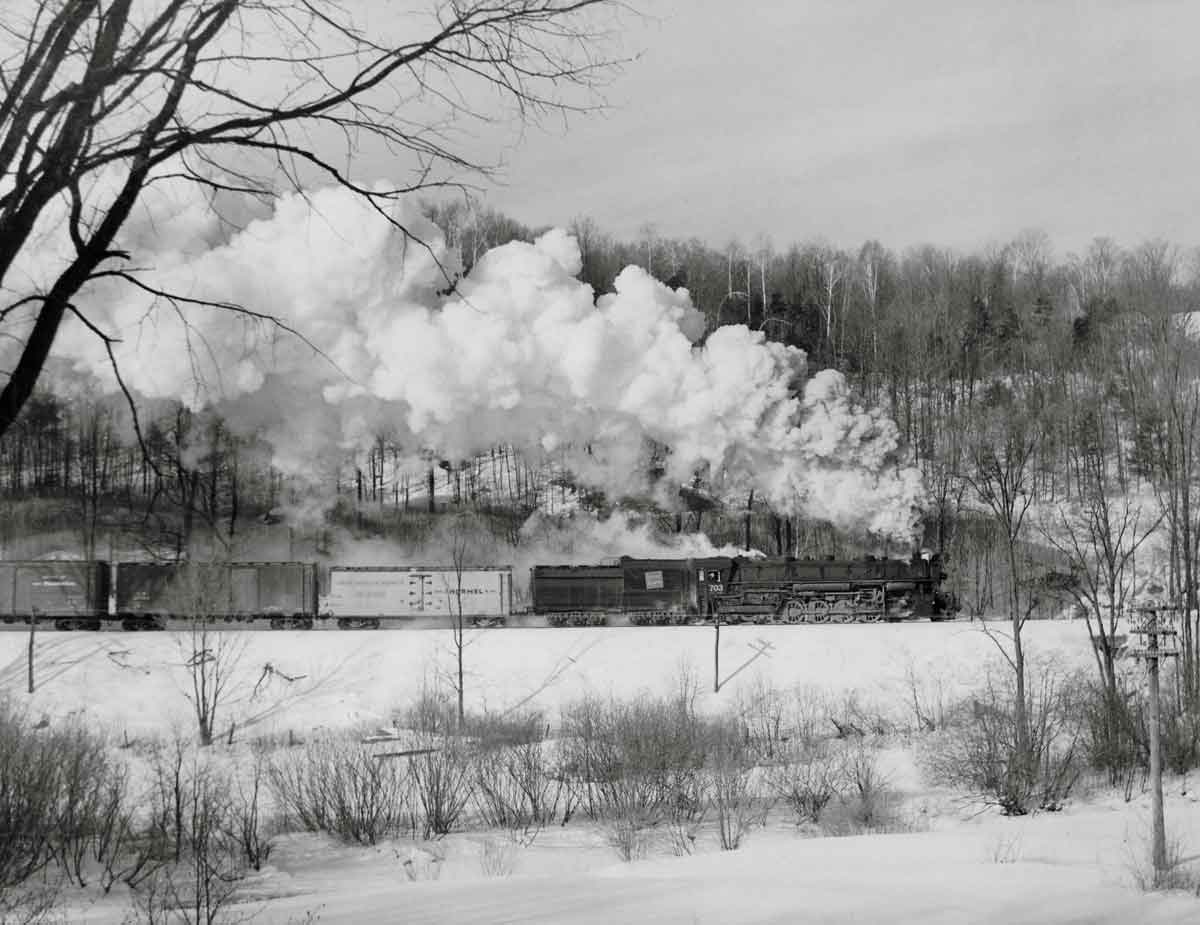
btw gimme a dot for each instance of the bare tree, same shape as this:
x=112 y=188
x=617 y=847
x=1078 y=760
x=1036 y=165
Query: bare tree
x=210 y=656
x=99 y=100
x=1000 y=472
x=1099 y=534
x=461 y=540
x=832 y=265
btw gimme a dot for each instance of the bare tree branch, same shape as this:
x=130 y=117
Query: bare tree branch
x=101 y=100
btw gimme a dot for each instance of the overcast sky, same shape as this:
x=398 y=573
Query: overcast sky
x=953 y=122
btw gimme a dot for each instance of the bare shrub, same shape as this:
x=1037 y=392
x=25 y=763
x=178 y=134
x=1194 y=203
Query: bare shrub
x=636 y=766
x=1115 y=739
x=31 y=901
x=868 y=792
x=91 y=799
x=344 y=789
x=1180 y=737
x=1177 y=874
x=432 y=713
x=979 y=750
x=926 y=698
x=63 y=804
x=852 y=719
x=516 y=789
x=807 y=716
x=728 y=784
x=201 y=883
x=763 y=711
x=443 y=782
x=629 y=838
x=249 y=828
x=635 y=761
x=210 y=656
x=807 y=781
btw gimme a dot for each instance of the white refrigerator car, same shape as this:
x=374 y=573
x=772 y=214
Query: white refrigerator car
x=369 y=595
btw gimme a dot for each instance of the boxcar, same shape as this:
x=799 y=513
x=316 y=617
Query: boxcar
x=73 y=594
x=150 y=593
x=364 y=596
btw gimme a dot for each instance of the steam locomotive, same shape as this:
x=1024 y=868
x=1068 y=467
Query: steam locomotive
x=628 y=591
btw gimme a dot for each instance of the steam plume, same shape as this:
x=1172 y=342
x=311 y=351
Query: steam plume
x=521 y=352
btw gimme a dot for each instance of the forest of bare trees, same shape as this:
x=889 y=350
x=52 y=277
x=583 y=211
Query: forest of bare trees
x=1089 y=352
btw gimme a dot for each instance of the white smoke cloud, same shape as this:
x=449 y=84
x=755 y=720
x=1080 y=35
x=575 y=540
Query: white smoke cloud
x=520 y=353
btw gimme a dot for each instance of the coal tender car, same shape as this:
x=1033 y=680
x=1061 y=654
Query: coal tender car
x=363 y=597
x=643 y=592
x=148 y=594
x=71 y=594
x=668 y=592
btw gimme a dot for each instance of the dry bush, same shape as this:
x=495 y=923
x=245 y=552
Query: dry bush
x=636 y=766
x=64 y=812
x=807 y=716
x=433 y=713
x=1114 y=740
x=764 y=713
x=927 y=700
x=516 y=789
x=634 y=761
x=852 y=719
x=978 y=750
x=869 y=797
x=1178 y=874
x=199 y=884
x=628 y=837
x=249 y=828
x=343 y=788
x=1180 y=736
x=443 y=783
x=728 y=773
x=807 y=781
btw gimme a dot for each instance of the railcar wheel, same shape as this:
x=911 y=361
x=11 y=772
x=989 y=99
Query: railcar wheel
x=794 y=612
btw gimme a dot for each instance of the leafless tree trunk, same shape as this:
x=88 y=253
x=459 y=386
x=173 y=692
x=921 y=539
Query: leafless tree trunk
x=210 y=656
x=1000 y=471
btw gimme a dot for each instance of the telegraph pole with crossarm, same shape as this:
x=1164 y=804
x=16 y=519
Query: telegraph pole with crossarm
x=1153 y=624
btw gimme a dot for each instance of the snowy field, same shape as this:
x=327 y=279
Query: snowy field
x=135 y=682
x=948 y=860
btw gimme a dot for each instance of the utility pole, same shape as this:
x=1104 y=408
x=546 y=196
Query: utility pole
x=1159 y=642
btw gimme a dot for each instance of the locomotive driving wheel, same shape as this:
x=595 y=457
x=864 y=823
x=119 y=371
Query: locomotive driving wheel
x=820 y=611
x=795 y=611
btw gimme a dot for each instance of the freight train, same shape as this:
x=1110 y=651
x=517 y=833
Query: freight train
x=639 y=592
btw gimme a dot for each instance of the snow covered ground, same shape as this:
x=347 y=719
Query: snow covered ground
x=136 y=682
x=947 y=861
